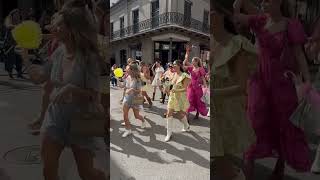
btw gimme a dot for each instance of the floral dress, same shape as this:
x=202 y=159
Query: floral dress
x=231 y=133
x=178 y=101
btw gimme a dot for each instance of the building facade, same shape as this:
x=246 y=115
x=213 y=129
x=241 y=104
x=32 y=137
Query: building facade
x=150 y=29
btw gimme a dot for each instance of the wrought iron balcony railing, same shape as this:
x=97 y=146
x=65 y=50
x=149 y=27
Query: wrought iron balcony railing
x=165 y=19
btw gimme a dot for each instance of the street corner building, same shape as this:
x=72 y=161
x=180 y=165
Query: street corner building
x=150 y=29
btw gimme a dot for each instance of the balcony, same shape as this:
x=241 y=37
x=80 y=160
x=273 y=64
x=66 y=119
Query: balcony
x=163 y=20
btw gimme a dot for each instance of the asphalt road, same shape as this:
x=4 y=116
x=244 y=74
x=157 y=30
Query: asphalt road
x=19 y=150
x=145 y=155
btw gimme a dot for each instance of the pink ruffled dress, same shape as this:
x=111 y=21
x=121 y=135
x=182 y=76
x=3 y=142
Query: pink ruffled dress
x=195 y=93
x=272 y=97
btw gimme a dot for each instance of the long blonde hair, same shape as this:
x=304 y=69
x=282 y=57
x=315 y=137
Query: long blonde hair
x=83 y=32
x=135 y=73
x=199 y=61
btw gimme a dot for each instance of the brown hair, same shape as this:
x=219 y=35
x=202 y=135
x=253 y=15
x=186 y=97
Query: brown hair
x=83 y=32
x=135 y=73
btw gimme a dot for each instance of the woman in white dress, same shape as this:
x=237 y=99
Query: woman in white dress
x=158 y=71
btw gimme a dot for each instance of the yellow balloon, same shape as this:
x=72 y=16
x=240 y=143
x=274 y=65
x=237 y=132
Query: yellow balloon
x=27 y=35
x=118 y=72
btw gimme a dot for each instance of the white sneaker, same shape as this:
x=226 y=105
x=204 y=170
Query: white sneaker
x=143 y=124
x=126 y=133
x=123 y=124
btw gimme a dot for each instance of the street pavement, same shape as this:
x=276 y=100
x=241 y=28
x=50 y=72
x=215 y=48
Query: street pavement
x=19 y=150
x=144 y=155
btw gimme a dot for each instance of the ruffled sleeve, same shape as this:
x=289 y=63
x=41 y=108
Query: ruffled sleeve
x=257 y=22
x=183 y=76
x=296 y=34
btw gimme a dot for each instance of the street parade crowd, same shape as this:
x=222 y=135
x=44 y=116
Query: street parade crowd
x=183 y=84
x=265 y=104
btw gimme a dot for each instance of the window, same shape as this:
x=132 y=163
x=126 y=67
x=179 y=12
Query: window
x=205 y=20
x=123 y=57
x=187 y=13
x=122 y=26
x=135 y=18
x=155 y=13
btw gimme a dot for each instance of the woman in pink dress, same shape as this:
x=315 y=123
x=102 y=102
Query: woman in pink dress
x=194 y=92
x=272 y=97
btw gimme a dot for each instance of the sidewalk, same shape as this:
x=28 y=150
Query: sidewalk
x=19 y=104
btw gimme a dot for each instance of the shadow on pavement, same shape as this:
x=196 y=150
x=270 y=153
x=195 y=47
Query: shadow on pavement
x=194 y=122
x=136 y=149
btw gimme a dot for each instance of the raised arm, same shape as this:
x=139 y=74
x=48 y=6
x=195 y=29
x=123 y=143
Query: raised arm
x=249 y=7
x=187 y=56
x=240 y=17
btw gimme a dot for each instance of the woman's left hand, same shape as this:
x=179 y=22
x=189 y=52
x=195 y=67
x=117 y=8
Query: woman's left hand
x=63 y=95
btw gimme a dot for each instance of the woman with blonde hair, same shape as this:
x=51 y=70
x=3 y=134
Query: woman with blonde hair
x=178 y=99
x=74 y=73
x=198 y=81
x=133 y=90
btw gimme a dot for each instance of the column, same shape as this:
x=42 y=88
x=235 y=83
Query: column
x=170 y=51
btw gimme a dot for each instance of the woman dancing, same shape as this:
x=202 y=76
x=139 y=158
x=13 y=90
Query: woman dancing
x=146 y=80
x=74 y=73
x=157 y=71
x=198 y=81
x=178 y=98
x=272 y=97
x=167 y=78
x=313 y=51
x=231 y=59
x=133 y=89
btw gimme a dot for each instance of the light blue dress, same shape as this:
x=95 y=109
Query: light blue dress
x=128 y=98
x=56 y=124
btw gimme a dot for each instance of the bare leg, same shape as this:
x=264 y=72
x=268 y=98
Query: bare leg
x=138 y=116
x=50 y=153
x=84 y=159
x=126 y=120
